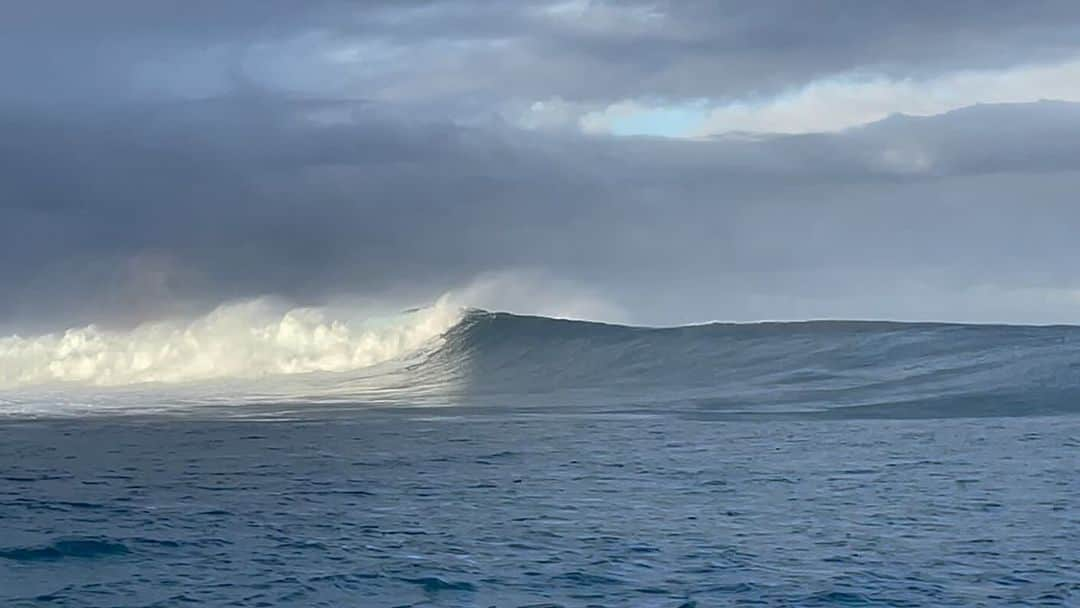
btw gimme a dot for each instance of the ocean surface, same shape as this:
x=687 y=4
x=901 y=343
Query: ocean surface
x=524 y=461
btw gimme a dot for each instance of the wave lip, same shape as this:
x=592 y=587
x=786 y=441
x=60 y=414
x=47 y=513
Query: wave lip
x=443 y=355
x=831 y=368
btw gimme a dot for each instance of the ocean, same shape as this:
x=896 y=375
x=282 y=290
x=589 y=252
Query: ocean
x=502 y=460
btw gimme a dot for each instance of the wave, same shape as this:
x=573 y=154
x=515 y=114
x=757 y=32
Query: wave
x=867 y=368
x=443 y=355
x=251 y=339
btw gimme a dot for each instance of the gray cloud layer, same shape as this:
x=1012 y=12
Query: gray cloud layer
x=481 y=51
x=157 y=158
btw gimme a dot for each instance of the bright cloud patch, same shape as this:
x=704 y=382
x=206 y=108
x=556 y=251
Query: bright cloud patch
x=838 y=103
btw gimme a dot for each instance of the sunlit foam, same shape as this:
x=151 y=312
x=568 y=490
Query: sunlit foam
x=250 y=339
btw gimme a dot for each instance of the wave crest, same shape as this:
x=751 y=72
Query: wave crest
x=241 y=340
x=443 y=355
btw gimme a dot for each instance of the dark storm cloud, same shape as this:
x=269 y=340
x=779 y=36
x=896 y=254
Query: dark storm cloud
x=161 y=156
x=480 y=52
x=202 y=201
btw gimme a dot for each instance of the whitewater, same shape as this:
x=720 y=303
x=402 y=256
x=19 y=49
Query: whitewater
x=242 y=340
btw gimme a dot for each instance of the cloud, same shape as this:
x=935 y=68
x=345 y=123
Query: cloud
x=834 y=104
x=839 y=103
x=464 y=57
x=159 y=210
x=157 y=162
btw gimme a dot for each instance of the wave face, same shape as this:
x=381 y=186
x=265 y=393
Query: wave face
x=839 y=368
x=446 y=357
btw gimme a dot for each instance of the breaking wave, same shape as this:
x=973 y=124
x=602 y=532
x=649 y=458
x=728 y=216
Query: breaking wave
x=243 y=340
x=443 y=355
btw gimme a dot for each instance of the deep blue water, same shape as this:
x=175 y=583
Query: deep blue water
x=579 y=465
x=394 y=508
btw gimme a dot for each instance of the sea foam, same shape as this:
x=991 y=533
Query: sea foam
x=250 y=339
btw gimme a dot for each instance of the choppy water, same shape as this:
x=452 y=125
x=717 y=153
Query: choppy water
x=575 y=465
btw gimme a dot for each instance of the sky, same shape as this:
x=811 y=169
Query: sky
x=646 y=162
